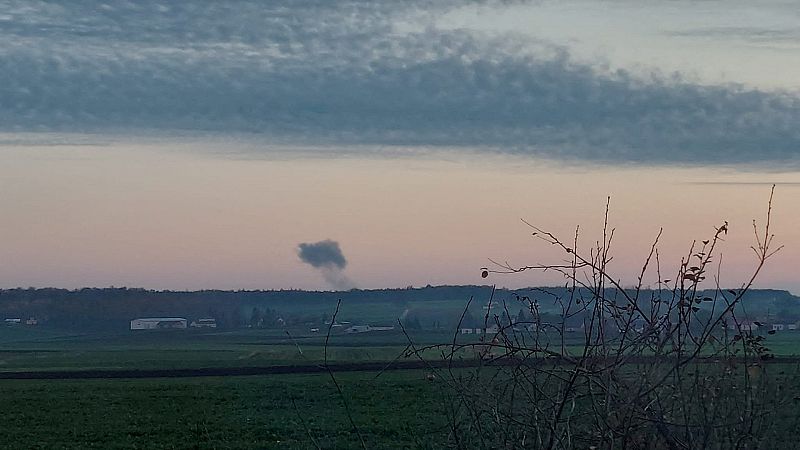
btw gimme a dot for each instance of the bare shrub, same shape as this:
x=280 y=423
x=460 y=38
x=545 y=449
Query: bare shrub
x=671 y=367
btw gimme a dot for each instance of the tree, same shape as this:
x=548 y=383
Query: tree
x=256 y=320
x=412 y=322
x=522 y=317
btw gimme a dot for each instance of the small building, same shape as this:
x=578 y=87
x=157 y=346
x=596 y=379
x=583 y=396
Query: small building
x=32 y=322
x=738 y=326
x=792 y=327
x=747 y=325
x=159 y=323
x=492 y=329
x=13 y=321
x=366 y=328
x=204 y=323
x=778 y=327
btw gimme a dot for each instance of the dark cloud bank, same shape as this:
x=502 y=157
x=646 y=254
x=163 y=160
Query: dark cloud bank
x=341 y=72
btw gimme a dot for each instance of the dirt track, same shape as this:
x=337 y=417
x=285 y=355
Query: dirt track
x=225 y=371
x=296 y=369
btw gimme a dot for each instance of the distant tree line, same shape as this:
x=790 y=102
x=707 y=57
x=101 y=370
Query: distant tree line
x=113 y=308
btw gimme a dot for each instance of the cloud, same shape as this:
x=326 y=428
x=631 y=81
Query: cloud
x=752 y=34
x=745 y=183
x=350 y=72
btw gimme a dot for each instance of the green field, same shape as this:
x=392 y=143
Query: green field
x=396 y=410
x=30 y=349
x=23 y=349
x=393 y=409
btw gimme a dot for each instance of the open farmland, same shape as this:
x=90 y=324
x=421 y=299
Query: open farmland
x=184 y=389
x=31 y=349
x=395 y=410
x=34 y=350
x=398 y=409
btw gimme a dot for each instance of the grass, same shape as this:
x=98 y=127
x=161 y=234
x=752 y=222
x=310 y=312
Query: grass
x=24 y=349
x=31 y=349
x=396 y=410
x=399 y=409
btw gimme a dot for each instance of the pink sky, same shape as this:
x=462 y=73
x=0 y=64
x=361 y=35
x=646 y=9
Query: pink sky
x=208 y=215
x=226 y=136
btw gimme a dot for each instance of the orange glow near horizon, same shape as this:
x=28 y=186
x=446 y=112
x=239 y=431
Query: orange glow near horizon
x=168 y=216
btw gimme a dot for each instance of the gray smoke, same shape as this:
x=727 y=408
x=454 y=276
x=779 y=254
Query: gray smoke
x=327 y=257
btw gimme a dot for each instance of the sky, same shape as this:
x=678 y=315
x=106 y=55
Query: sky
x=194 y=145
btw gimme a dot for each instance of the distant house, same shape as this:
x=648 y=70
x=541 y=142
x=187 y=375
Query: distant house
x=13 y=321
x=792 y=327
x=747 y=325
x=204 y=323
x=778 y=327
x=32 y=322
x=366 y=328
x=488 y=330
x=158 y=323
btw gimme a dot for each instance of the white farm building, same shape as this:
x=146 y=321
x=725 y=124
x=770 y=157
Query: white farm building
x=204 y=323
x=158 y=323
x=366 y=328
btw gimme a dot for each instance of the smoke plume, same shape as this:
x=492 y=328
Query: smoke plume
x=327 y=257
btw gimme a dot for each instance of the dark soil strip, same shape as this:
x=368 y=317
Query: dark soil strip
x=224 y=371
x=298 y=369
